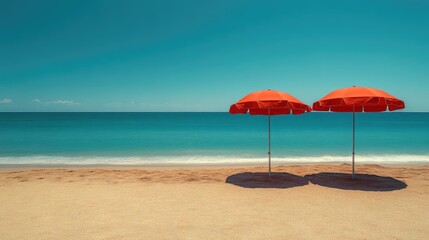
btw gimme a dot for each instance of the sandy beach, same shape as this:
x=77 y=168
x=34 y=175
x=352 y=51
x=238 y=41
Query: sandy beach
x=229 y=202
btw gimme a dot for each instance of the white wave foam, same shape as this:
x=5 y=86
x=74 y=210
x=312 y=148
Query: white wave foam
x=207 y=160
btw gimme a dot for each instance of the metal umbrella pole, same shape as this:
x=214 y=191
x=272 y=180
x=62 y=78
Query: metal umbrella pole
x=353 y=148
x=269 y=143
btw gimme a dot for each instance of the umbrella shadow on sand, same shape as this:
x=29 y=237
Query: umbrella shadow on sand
x=262 y=180
x=362 y=182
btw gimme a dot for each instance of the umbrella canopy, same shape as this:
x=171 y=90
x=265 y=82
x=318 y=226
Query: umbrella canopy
x=269 y=102
x=358 y=99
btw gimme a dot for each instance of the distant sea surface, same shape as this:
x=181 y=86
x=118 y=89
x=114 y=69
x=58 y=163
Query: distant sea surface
x=210 y=138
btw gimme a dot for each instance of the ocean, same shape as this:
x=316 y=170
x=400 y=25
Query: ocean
x=210 y=138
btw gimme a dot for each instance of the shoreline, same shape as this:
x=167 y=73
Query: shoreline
x=5 y=167
x=201 y=160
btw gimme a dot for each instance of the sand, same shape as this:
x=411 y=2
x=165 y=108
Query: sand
x=297 y=202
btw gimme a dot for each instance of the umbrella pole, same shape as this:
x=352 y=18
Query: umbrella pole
x=353 y=148
x=269 y=143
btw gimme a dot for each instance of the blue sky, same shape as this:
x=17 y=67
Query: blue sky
x=204 y=55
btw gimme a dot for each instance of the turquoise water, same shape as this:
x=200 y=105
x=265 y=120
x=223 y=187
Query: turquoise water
x=139 y=138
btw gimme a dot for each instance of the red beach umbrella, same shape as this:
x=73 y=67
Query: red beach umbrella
x=269 y=102
x=358 y=99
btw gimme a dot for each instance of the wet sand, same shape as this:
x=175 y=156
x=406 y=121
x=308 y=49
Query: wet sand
x=236 y=202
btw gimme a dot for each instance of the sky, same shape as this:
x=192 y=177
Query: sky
x=205 y=55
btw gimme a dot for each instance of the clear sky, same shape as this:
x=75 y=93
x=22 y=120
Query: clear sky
x=204 y=55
